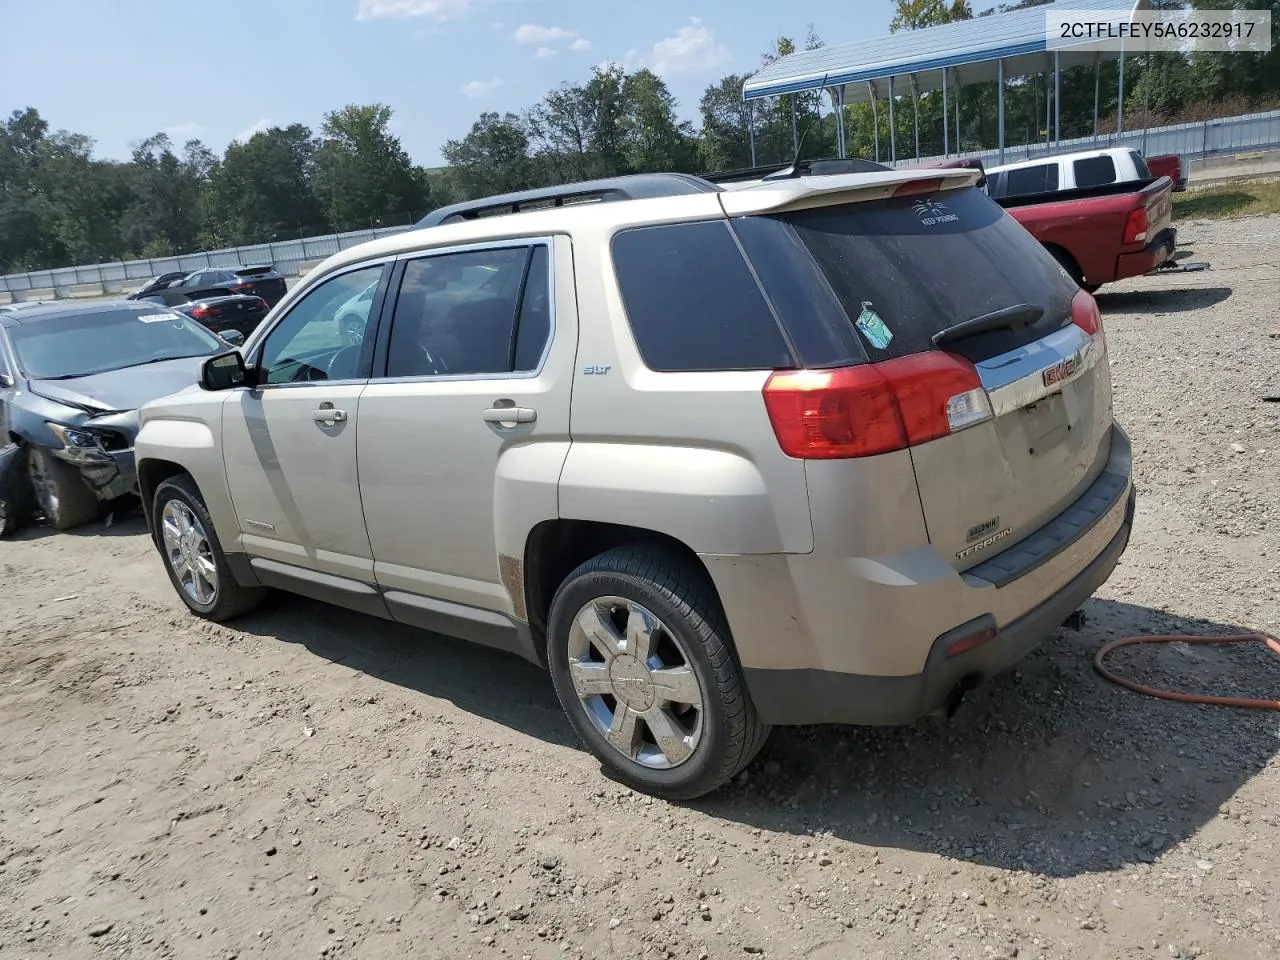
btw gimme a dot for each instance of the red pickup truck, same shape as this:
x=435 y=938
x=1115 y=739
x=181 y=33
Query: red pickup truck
x=1169 y=165
x=1102 y=234
x=1098 y=234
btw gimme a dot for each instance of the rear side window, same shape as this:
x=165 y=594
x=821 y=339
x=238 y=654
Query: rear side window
x=1140 y=164
x=1042 y=178
x=922 y=264
x=1095 y=171
x=692 y=301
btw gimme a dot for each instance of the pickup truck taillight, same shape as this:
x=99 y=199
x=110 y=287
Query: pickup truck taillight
x=874 y=408
x=1135 y=228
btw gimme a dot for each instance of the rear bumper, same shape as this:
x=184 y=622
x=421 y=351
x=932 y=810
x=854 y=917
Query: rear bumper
x=787 y=697
x=824 y=638
x=1155 y=253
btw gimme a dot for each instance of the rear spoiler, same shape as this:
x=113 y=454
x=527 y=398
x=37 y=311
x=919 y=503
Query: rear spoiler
x=965 y=163
x=253 y=271
x=830 y=167
x=800 y=168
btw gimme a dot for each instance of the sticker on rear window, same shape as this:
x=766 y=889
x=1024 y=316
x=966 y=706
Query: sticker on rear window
x=872 y=327
x=931 y=212
x=157 y=317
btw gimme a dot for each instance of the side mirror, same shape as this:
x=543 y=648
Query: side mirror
x=224 y=372
x=233 y=337
x=6 y=381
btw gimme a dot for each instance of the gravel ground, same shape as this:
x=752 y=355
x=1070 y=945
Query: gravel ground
x=313 y=783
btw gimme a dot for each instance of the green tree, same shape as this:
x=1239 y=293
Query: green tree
x=264 y=188
x=654 y=139
x=492 y=158
x=914 y=14
x=167 y=209
x=725 y=139
x=363 y=176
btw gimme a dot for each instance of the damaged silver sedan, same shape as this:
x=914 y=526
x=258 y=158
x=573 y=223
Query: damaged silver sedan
x=72 y=376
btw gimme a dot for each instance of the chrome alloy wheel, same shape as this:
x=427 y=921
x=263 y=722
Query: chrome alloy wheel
x=636 y=682
x=190 y=555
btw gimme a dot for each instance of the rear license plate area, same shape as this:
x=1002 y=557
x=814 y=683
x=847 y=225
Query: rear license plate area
x=1044 y=421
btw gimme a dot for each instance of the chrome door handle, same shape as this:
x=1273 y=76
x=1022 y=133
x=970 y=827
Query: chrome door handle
x=328 y=416
x=510 y=415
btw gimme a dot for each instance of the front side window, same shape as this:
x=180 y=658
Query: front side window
x=324 y=336
x=472 y=313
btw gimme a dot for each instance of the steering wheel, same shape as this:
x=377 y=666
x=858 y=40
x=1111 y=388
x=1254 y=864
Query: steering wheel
x=342 y=364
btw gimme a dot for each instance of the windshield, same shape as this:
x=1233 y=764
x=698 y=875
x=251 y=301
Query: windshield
x=87 y=343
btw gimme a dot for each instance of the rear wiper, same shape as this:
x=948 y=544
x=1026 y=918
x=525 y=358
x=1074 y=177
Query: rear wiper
x=1022 y=314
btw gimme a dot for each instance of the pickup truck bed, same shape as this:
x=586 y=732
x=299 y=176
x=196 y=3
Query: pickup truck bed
x=1102 y=234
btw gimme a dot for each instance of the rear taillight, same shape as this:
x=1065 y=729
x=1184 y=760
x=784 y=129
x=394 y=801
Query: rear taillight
x=200 y=311
x=1085 y=314
x=874 y=408
x=241 y=287
x=1135 y=228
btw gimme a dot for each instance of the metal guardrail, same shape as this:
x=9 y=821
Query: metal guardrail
x=287 y=256
x=1190 y=140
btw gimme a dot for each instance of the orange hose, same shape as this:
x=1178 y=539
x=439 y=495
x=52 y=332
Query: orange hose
x=1248 y=703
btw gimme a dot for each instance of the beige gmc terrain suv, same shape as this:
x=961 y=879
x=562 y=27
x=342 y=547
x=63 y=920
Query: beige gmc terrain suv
x=816 y=450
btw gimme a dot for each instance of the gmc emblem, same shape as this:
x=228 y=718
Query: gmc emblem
x=1059 y=372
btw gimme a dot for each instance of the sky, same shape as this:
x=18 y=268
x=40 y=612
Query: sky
x=122 y=70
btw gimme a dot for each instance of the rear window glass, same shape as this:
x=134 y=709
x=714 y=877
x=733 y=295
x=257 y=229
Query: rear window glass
x=1095 y=171
x=692 y=301
x=1041 y=178
x=922 y=264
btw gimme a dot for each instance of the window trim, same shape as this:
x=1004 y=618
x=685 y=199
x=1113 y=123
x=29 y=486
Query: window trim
x=382 y=351
x=375 y=319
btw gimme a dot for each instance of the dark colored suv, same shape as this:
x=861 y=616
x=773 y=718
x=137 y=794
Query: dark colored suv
x=262 y=282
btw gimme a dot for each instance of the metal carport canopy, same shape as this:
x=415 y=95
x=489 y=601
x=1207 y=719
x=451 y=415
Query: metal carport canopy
x=972 y=49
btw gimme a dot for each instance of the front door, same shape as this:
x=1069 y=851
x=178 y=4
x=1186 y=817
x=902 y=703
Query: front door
x=464 y=431
x=290 y=443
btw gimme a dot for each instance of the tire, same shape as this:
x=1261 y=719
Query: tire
x=679 y=613
x=200 y=554
x=1068 y=263
x=59 y=491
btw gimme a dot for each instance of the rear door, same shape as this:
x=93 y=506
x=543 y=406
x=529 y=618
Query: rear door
x=925 y=264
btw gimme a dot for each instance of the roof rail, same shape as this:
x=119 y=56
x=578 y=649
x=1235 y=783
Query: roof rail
x=639 y=186
x=801 y=168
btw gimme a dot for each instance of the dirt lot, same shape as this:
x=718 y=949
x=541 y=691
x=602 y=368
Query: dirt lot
x=316 y=784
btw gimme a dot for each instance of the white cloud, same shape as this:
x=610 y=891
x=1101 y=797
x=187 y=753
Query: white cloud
x=477 y=89
x=544 y=53
x=693 y=49
x=409 y=9
x=581 y=45
x=497 y=25
x=534 y=33
x=182 y=132
x=244 y=135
